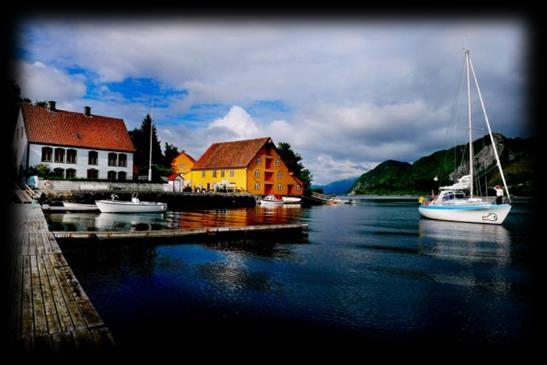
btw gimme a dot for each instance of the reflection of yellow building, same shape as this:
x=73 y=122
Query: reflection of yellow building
x=252 y=165
x=182 y=164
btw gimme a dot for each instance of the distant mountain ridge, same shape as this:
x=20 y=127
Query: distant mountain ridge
x=337 y=187
x=517 y=156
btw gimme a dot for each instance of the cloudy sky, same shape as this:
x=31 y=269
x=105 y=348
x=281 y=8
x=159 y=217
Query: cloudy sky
x=345 y=94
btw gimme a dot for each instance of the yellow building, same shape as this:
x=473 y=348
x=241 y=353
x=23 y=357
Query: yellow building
x=182 y=164
x=252 y=165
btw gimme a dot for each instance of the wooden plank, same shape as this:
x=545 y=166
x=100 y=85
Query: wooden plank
x=39 y=312
x=15 y=301
x=77 y=318
x=104 y=340
x=27 y=323
x=65 y=321
x=52 y=319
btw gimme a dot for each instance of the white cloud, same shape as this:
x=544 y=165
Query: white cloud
x=237 y=121
x=42 y=82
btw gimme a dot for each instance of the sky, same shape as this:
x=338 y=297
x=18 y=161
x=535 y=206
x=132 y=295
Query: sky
x=346 y=94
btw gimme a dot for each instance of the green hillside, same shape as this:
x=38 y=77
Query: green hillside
x=517 y=157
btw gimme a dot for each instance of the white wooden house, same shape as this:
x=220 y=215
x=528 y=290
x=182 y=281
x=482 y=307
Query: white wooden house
x=71 y=144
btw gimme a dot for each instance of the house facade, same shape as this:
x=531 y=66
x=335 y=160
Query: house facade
x=72 y=145
x=182 y=164
x=253 y=165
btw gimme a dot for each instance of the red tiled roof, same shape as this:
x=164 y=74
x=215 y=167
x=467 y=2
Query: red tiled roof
x=66 y=128
x=230 y=154
x=173 y=176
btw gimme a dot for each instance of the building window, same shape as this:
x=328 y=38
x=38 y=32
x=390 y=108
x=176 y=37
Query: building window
x=181 y=167
x=221 y=173
x=111 y=175
x=203 y=173
x=232 y=173
x=70 y=173
x=92 y=158
x=92 y=174
x=279 y=174
x=122 y=175
x=59 y=172
x=71 y=156
x=214 y=173
x=258 y=160
x=298 y=187
x=46 y=154
x=257 y=186
x=59 y=155
x=277 y=163
x=122 y=160
x=112 y=157
x=257 y=173
x=279 y=187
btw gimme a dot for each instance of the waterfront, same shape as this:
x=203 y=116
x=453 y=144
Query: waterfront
x=373 y=271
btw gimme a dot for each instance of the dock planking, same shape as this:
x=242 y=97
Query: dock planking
x=50 y=311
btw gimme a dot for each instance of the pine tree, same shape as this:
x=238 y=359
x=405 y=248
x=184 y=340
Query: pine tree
x=294 y=163
x=141 y=141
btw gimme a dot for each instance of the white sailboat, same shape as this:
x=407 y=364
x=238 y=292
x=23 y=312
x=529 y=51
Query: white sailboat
x=452 y=204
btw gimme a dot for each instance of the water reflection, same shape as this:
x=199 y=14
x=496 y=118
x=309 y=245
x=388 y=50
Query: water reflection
x=477 y=242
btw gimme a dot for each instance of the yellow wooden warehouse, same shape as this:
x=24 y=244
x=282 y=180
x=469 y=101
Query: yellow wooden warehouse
x=252 y=165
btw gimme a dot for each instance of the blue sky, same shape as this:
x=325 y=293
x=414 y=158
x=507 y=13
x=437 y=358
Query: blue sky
x=345 y=95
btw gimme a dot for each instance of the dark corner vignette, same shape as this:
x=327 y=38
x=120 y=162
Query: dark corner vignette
x=536 y=73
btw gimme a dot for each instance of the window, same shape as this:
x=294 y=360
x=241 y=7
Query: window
x=221 y=173
x=93 y=157
x=258 y=160
x=92 y=174
x=279 y=174
x=70 y=173
x=71 y=156
x=214 y=173
x=232 y=173
x=277 y=163
x=111 y=175
x=279 y=187
x=202 y=173
x=181 y=167
x=257 y=173
x=59 y=155
x=59 y=172
x=46 y=154
x=257 y=186
x=122 y=176
x=298 y=187
x=122 y=160
x=112 y=157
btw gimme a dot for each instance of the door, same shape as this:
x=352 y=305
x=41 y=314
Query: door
x=290 y=189
x=268 y=188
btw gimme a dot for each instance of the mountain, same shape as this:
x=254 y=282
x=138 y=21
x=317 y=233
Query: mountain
x=337 y=187
x=517 y=156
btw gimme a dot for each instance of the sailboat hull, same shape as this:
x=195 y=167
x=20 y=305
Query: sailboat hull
x=480 y=213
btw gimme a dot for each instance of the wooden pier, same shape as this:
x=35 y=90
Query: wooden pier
x=270 y=230
x=49 y=310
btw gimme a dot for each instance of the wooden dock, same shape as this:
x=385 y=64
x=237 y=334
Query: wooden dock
x=49 y=310
x=196 y=233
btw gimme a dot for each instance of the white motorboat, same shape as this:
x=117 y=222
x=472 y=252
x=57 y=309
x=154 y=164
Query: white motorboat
x=133 y=206
x=452 y=204
x=79 y=207
x=291 y=200
x=271 y=200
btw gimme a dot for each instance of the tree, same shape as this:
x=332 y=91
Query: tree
x=294 y=163
x=141 y=141
x=171 y=151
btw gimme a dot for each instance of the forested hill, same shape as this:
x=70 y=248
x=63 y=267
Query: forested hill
x=517 y=155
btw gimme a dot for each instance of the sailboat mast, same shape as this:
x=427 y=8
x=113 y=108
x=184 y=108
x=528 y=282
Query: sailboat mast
x=469 y=122
x=150 y=153
x=490 y=132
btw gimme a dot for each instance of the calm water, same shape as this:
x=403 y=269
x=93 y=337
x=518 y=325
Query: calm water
x=375 y=272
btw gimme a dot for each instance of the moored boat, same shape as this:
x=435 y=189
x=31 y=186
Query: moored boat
x=271 y=200
x=133 y=206
x=291 y=200
x=79 y=207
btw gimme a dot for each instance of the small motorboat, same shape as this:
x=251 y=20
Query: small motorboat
x=78 y=207
x=271 y=200
x=133 y=206
x=291 y=200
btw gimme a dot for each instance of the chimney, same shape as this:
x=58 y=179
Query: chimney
x=51 y=105
x=87 y=111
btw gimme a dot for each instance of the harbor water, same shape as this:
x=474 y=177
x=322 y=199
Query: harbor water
x=373 y=272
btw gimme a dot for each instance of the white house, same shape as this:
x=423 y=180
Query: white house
x=73 y=145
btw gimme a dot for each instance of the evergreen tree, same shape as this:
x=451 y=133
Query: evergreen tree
x=141 y=141
x=294 y=163
x=171 y=151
